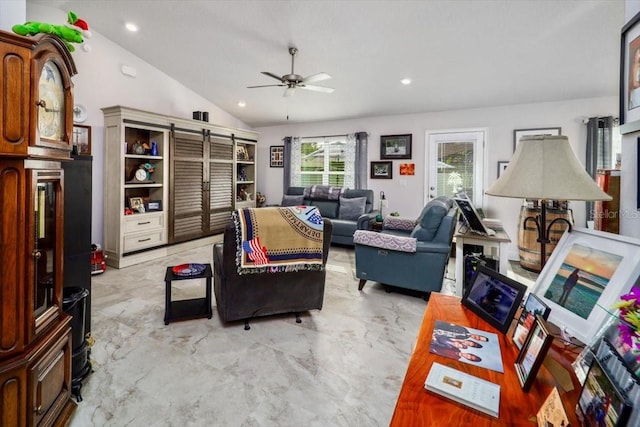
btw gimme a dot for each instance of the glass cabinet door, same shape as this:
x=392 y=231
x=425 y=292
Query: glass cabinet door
x=46 y=249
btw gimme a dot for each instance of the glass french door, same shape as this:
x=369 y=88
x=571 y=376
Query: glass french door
x=455 y=162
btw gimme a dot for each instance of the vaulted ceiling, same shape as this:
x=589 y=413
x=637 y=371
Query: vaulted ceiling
x=459 y=53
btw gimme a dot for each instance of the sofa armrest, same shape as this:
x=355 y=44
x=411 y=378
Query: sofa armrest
x=365 y=220
x=399 y=223
x=433 y=247
x=384 y=241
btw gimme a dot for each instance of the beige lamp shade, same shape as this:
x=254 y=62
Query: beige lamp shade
x=544 y=167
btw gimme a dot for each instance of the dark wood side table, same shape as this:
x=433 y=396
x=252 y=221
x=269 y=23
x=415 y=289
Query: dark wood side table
x=194 y=308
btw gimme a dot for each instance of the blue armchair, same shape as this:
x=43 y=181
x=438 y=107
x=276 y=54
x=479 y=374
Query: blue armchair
x=409 y=254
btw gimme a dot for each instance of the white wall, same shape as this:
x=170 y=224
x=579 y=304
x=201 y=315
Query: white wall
x=100 y=83
x=405 y=194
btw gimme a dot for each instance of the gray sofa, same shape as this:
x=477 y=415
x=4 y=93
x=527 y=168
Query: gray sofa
x=345 y=221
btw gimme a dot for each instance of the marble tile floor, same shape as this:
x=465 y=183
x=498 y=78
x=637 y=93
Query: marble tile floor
x=342 y=366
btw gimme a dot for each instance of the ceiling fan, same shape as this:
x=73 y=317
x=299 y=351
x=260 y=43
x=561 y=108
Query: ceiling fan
x=293 y=81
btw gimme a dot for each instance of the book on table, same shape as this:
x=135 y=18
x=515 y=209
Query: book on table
x=464 y=388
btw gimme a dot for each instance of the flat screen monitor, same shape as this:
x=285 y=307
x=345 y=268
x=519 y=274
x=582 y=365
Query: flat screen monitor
x=471 y=217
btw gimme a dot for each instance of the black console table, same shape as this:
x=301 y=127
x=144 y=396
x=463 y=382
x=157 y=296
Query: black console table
x=194 y=308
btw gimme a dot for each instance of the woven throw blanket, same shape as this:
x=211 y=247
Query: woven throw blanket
x=322 y=192
x=278 y=239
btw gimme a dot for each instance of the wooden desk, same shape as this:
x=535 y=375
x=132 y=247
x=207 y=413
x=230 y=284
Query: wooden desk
x=500 y=241
x=418 y=407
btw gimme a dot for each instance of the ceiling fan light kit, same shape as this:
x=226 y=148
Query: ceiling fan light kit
x=292 y=81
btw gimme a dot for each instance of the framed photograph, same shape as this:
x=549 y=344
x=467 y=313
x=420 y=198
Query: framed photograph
x=532 y=307
x=395 y=146
x=276 y=157
x=381 y=170
x=81 y=139
x=519 y=133
x=533 y=352
x=136 y=204
x=601 y=399
x=502 y=165
x=407 y=168
x=154 y=205
x=494 y=297
x=584 y=276
x=630 y=72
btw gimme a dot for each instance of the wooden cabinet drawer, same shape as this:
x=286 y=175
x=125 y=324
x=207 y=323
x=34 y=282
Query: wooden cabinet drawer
x=138 y=241
x=143 y=222
x=50 y=378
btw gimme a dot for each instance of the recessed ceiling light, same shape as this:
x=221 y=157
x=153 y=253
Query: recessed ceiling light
x=131 y=27
x=405 y=81
x=242 y=104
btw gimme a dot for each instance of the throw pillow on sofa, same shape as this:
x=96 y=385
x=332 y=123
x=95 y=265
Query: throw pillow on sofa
x=352 y=208
x=288 y=200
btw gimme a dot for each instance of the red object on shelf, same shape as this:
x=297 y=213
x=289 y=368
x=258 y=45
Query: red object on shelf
x=98 y=263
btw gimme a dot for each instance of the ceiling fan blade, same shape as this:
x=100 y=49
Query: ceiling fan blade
x=316 y=78
x=316 y=88
x=266 y=73
x=253 y=87
x=289 y=92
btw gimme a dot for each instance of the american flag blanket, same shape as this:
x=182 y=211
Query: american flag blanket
x=278 y=239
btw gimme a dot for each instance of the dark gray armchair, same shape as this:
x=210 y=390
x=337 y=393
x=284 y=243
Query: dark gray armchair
x=245 y=296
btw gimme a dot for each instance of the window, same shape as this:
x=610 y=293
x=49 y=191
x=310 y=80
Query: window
x=323 y=161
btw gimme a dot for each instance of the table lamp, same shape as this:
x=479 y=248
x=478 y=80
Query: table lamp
x=544 y=167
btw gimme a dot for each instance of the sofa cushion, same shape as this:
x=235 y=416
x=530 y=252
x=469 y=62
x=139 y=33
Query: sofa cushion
x=288 y=200
x=430 y=220
x=327 y=208
x=351 y=208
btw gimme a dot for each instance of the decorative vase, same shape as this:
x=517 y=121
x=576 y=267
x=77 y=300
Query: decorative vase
x=154 y=148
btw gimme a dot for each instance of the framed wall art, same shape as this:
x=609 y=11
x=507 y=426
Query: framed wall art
x=395 y=146
x=519 y=133
x=533 y=352
x=586 y=273
x=407 y=168
x=276 y=156
x=493 y=297
x=630 y=73
x=381 y=170
x=82 y=139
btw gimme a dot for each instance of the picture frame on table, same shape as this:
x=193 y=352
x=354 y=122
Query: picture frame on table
x=154 y=206
x=532 y=306
x=81 y=139
x=276 y=156
x=502 y=166
x=242 y=153
x=519 y=133
x=600 y=397
x=533 y=352
x=629 y=96
x=136 y=204
x=493 y=297
x=604 y=266
x=381 y=170
x=395 y=146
